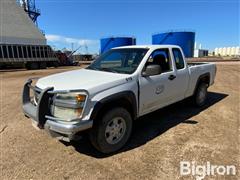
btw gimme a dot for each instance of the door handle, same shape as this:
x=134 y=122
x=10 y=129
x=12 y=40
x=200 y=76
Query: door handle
x=171 y=77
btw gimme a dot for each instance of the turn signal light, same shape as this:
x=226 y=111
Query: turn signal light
x=80 y=98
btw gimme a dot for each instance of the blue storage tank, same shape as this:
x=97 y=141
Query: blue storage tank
x=185 y=40
x=111 y=42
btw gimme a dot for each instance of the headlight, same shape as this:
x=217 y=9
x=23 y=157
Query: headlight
x=71 y=97
x=66 y=113
x=69 y=106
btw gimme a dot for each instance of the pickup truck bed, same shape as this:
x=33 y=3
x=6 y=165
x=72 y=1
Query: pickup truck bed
x=199 y=71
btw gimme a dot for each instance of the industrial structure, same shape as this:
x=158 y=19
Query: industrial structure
x=227 y=51
x=183 y=39
x=82 y=57
x=111 y=42
x=21 y=42
x=199 y=51
x=30 y=8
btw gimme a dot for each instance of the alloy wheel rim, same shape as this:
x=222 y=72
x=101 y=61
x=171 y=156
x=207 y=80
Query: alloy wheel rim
x=115 y=130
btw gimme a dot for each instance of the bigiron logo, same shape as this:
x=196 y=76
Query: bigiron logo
x=207 y=169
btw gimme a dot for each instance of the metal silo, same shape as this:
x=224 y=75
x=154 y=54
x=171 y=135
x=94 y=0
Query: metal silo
x=185 y=40
x=111 y=42
x=232 y=51
x=224 y=51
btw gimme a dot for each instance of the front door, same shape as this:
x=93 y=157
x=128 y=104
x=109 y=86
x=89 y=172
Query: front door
x=158 y=90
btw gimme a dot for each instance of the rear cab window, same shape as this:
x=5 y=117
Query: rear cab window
x=178 y=58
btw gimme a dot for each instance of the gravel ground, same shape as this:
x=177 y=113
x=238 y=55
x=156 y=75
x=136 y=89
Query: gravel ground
x=159 y=141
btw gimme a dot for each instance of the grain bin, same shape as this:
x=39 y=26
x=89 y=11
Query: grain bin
x=111 y=42
x=185 y=40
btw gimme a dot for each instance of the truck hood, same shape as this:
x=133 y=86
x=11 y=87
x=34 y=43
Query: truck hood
x=86 y=79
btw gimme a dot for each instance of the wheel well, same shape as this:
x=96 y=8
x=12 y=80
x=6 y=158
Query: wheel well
x=205 y=78
x=124 y=102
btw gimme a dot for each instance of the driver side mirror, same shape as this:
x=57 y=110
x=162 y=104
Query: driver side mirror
x=152 y=70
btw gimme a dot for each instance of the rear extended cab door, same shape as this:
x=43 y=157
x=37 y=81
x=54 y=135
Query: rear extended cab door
x=182 y=73
x=166 y=88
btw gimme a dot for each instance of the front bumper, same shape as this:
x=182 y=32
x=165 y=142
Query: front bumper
x=41 y=116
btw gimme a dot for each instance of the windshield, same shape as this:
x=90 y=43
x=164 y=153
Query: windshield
x=119 y=60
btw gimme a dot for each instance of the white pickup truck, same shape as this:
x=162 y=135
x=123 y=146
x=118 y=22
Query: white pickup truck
x=117 y=88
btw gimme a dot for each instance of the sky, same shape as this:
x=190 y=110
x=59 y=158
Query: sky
x=84 y=22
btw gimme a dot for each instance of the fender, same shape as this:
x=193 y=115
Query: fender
x=127 y=95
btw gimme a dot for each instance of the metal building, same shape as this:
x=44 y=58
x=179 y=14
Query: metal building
x=111 y=42
x=20 y=39
x=200 y=52
x=16 y=26
x=183 y=39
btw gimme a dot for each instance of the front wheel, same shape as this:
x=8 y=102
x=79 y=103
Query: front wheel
x=111 y=132
x=200 y=96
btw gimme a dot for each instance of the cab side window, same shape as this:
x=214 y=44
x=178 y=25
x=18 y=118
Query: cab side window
x=178 y=58
x=160 y=57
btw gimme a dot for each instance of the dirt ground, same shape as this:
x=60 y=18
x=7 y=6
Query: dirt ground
x=159 y=141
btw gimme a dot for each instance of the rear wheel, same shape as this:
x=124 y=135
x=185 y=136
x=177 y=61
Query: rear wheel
x=112 y=131
x=200 y=96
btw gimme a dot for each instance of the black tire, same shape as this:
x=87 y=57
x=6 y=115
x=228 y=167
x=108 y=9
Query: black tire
x=55 y=64
x=99 y=136
x=42 y=65
x=200 y=95
x=32 y=65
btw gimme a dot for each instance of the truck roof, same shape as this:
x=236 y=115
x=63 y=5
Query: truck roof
x=149 y=46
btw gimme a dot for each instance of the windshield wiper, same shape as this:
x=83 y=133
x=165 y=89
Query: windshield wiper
x=92 y=68
x=102 y=69
x=108 y=70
